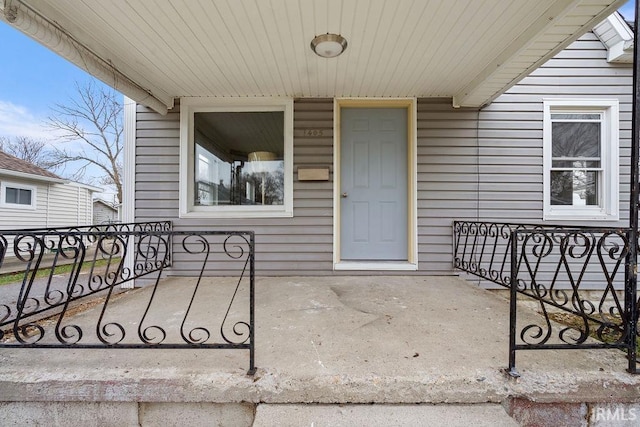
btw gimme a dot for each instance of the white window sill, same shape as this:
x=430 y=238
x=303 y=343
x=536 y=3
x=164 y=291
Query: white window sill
x=236 y=214
x=580 y=216
x=375 y=266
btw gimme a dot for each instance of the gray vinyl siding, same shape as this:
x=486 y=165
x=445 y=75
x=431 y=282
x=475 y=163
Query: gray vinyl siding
x=510 y=131
x=12 y=218
x=447 y=179
x=472 y=164
x=511 y=148
x=103 y=214
x=57 y=205
x=69 y=205
x=299 y=245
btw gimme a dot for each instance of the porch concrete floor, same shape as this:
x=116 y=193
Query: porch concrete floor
x=332 y=340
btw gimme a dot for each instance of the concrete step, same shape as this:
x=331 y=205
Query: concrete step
x=477 y=415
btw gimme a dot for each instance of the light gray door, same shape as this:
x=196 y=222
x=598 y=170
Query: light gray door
x=373 y=177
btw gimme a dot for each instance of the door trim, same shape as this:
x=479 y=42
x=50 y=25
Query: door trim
x=411 y=264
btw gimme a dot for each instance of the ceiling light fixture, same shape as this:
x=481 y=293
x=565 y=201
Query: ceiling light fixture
x=328 y=45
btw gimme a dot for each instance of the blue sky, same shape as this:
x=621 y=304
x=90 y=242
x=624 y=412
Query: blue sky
x=33 y=80
x=627 y=10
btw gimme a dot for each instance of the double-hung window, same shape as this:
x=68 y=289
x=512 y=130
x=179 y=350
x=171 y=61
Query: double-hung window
x=580 y=159
x=17 y=196
x=236 y=158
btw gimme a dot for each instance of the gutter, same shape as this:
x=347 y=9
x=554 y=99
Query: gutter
x=87 y=186
x=42 y=178
x=56 y=38
x=33 y=177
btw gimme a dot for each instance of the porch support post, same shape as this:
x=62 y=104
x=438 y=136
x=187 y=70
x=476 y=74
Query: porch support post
x=252 y=305
x=631 y=279
x=513 y=301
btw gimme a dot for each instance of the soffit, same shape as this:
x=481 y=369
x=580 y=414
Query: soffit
x=468 y=50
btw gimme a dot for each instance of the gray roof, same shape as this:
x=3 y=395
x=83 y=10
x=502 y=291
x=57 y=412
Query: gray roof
x=15 y=164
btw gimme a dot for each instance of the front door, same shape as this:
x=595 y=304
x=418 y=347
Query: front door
x=374 y=213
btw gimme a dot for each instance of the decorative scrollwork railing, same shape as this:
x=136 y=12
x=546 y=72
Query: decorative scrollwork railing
x=574 y=276
x=66 y=289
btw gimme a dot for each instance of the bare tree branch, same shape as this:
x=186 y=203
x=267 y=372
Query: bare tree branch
x=31 y=150
x=93 y=119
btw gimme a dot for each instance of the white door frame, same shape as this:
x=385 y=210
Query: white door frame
x=411 y=264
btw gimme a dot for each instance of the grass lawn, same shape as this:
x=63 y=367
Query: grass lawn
x=575 y=321
x=61 y=269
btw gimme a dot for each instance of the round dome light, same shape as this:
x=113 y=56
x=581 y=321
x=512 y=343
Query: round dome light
x=328 y=45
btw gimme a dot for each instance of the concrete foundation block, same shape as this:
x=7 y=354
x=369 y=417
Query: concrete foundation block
x=293 y=415
x=614 y=414
x=86 y=414
x=528 y=413
x=196 y=414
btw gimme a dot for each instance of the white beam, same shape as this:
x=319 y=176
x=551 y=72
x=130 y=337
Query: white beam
x=545 y=22
x=127 y=205
x=517 y=46
x=51 y=35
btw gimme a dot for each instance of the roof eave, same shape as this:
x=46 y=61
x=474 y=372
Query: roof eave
x=488 y=86
x=516 y=61
x=50 y=34
x=92 y=188
x=34 y=177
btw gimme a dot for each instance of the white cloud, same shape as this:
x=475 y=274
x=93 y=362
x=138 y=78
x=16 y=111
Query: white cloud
x=17 y=120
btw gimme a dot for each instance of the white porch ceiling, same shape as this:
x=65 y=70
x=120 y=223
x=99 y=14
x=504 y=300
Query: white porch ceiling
x=468 y=50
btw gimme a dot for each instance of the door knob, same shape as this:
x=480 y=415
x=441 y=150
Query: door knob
x=344 y=195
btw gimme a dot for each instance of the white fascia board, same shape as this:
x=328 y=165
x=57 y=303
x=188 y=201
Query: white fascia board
x=31 y=176
x=46 y=31
x=472 y=95
x=517 y=46
x=89 y=187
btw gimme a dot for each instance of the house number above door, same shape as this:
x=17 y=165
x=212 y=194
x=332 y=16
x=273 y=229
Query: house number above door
x=313 y=132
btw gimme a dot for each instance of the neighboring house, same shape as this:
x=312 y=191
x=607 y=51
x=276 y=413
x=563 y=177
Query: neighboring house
x=104 y=212
x=358 y=164
x=32 y=197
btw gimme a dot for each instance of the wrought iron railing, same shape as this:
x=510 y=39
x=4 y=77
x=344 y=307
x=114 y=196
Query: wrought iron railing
x=63 y=272
x=575 y=277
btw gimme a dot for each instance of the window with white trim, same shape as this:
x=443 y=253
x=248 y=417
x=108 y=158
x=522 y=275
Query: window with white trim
x=17 y=196
x=236 y=158
x=581 y=159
